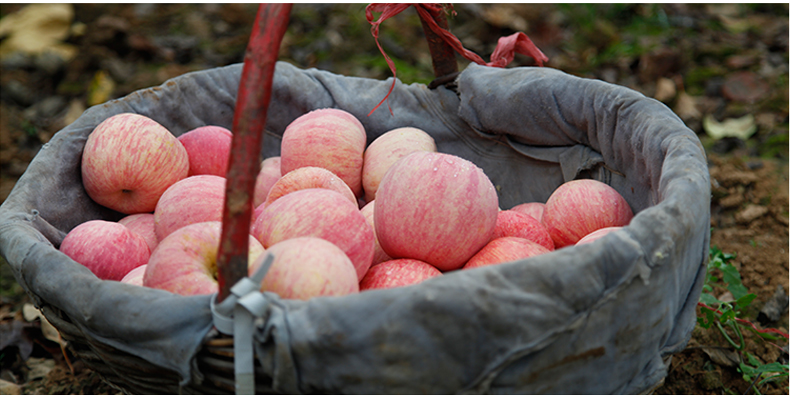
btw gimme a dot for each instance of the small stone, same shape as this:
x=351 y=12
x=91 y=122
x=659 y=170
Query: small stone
x=9 y=388
x=731 y=201
x=774 y=308
x=18 y=93
x=750 y=213
x=744 y=86
x=665 y=90
x=50 y=62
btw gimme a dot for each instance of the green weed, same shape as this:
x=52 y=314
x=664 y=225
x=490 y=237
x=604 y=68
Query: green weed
x=722 y=274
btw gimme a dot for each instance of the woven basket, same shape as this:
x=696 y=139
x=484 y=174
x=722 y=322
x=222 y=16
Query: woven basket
x=677 y=256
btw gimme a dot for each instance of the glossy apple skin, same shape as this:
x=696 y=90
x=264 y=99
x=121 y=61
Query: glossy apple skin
x=191 y=200
x=533 y=209
x=308 y=267
x=435 y=207
x=319 y=213
x=208 y=149
x=330 y=138
x=267 y=176
x=580 y=207
x=185 y=262
x=143 y=225
x=516 y=224
x=135 y=276
x=306 y=178
x=378 y=254
x=505 y=249
x=110 y=250
x=385 y=150
x=397 y=273
x=597 y=234
x=129 y=160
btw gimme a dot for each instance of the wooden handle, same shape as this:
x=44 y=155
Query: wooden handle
x=252 y=104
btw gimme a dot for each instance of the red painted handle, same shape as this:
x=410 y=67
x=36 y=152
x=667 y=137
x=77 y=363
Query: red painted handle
x=252 y=104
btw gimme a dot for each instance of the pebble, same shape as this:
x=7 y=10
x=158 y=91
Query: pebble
x=750 y=213
x=774 y=308
x=9 y=388
x=18 y=93
x=744 y=86
x=50 y=62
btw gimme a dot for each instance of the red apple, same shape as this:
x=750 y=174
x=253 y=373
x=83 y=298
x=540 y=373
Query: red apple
x=143 y=225
x=208 y=148
x=307 y=267
x=185 y=262
x=378 y=254
x=135 y=276
x=128 y=162
x=505 y=249
x=329 y=138
x=516 y=224
x=386 y=150
x=108 y=249
x=319 y=213
x=579 y=207
x=435 y=207
x=191 y=200
x=397 y=273
x=533 y=209
x=269 y=174
x=305 y=178
x=597 y=234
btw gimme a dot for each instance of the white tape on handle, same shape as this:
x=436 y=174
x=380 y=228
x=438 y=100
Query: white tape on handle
x=236 y=315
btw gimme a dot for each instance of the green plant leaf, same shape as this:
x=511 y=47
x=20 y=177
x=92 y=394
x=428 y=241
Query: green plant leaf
x=709 y=299
x=745 y=300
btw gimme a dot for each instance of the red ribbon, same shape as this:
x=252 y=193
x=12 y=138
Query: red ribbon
x=504 y=53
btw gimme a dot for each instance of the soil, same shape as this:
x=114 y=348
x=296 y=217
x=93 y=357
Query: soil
x=709 y=63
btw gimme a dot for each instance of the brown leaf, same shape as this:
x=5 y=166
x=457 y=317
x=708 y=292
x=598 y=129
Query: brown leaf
x=723 y=357
x=12 y=333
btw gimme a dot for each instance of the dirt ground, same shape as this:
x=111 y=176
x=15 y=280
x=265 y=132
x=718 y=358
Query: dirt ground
x=722 y=68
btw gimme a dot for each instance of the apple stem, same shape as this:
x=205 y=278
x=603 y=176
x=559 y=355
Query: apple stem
x=249 y=119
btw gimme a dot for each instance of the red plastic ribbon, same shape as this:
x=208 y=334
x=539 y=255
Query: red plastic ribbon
x=503 y=54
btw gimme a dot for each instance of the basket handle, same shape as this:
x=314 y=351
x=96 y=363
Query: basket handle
x=252 y=104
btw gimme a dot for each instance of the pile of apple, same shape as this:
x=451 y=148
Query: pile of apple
x=340 y=216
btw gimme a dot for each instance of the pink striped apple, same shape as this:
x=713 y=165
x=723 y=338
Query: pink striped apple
x=135 y=276
x=579 y=207
x=516 y=224
x=110 y=250
x=597 y=234
x=505 y=249
x=305 y=178
x=129 y=160
x=319 y=213
x=208 y=148
x=308 y=267
x=386 y=150
x=378 y=254
x=435 y=207
x=267 y=176
x=185 y=262
x=191 y=200
x=330 y=138
x=533 y=209
x=397 y=273
x=143 y=225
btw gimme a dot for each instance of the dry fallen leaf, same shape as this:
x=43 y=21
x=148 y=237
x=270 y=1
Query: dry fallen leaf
x=665 y=90
x=101 y=88
x=31 y=313
x=742 y=128
x=686 y=107
x=38 y=28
